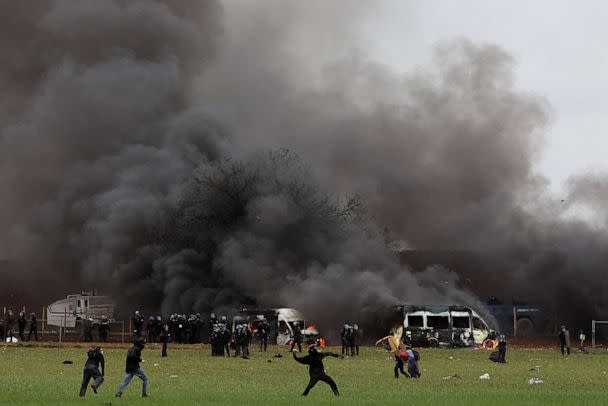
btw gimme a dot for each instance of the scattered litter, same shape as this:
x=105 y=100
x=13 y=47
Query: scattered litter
x=532 y=369
x=485 y=376
x=172 y=376
x=156 y=365
x=535 y=381
x=452 y=376
x=278 y=356
x=68 y=362
x=269 y=360
x=451 y=357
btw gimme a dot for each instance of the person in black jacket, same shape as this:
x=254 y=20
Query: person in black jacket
x=91 y=370
x=138 y=324
x=22 y=321
x=104 y=329
x=133 y=368
x=8 y=327
x=316 y=369
x=502 y=349
x=33 y=327
x=263 y=334
x=243 y=338
x=297 y=337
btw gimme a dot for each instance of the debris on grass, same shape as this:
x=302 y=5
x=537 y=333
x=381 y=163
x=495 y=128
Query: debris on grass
x=68 y=362
x=451 y=376
x=172 y=376
x=535 y=381
x=485 y=376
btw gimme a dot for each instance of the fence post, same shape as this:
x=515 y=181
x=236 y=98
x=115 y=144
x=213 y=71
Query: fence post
x=514 y=322
x=122 y=323
x=592 y=333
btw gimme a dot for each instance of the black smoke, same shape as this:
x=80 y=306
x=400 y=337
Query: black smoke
x=134 y=139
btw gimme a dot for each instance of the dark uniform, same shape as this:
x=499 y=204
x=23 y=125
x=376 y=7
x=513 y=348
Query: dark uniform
x=164 y=337
x=138 y=324
x=33 y=327
x=226 y=335
x=502 y=349
x=263 y=333
x=133 y=369
x=8 y=327
x=297 y=337
x=316 y=370
x=564 y=340
x=356 y=338
x=22 y=322
x=91 y=370
x=104 y=329
x=243 y=338
x=343 y=334
x=152 y=329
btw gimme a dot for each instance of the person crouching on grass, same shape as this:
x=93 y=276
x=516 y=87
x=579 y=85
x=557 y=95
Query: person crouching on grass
x=392 y=344
x=91 y=370
x=133 y=368
x=316 y=369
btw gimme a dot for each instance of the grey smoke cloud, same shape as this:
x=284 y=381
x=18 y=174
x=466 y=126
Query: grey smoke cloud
x=116 y=109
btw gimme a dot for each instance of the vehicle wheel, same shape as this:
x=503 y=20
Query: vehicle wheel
x=525 y=327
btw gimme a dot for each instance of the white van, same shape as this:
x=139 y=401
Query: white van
x=446 y=326
x=65 y=312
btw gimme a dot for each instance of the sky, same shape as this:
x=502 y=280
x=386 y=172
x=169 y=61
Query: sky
x=559 y=52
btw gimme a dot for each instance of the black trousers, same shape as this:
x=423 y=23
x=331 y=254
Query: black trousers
x=87 y=374
x=399 y=367
x=293 y=344
x=22 y=333
x=244 y=350
x=33 y=331
x=263 y=343
x=164 y=350
x=567 y=349
x=501 y=356
x=323 y=378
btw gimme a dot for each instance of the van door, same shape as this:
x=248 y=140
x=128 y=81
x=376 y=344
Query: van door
x=480 y=330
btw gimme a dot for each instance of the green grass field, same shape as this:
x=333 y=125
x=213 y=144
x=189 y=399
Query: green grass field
x=37 y=376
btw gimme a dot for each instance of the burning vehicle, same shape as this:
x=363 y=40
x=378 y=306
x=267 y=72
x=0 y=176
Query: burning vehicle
x=443 y=326
x=281 y=322
x=65 y=312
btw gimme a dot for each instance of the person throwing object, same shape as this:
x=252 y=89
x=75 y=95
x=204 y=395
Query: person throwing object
x=316 y=369
x=133 y=368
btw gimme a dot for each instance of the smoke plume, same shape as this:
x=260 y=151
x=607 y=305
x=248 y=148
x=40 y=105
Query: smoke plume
x=143 y=151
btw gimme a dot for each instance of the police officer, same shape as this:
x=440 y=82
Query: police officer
x=8 y=327
x=343 y=334
x=215 y=339
x=165 y=337
x=151 y=329
x=87 y=329
x=564 y=340
x=226 y=335
x=502 y=349
x=350 y=340
x=138 y=323
x=297 y=337
x=33 y=327
x=243 y=339
x=91 y=370
x=356 y=337
x=263 y=333
x=22 y=321
x=104 y=329
x=316 y=369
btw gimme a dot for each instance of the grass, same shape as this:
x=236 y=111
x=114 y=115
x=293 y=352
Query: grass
x=37 y=376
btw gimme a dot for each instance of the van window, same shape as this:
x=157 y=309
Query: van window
x=414 y=321
x=460 y=322
x=86 y=303
x=478 y=324
x=438 y=322
x=78 y=305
